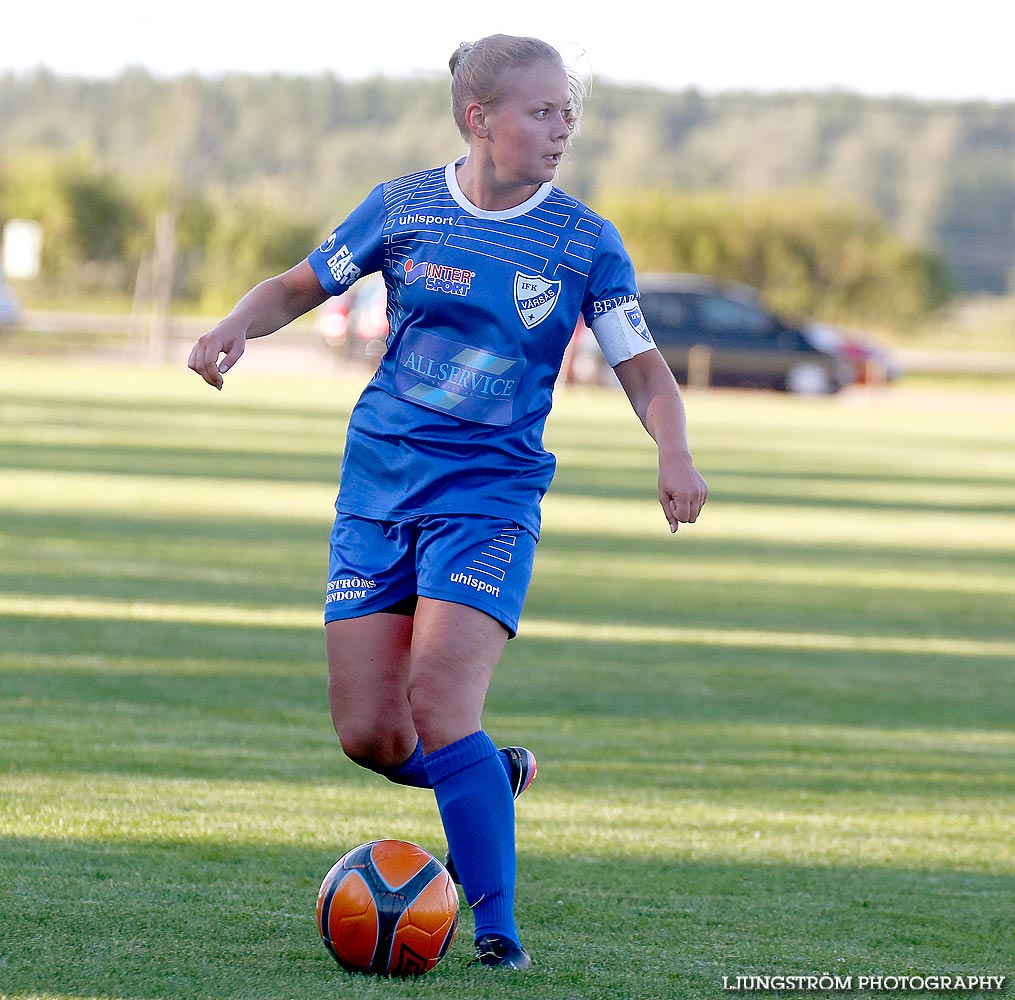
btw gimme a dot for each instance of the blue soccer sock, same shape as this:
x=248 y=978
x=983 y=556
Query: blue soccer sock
x=410 y=772
x=478 y=813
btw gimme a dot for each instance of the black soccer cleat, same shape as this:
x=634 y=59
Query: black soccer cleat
x=523 y=770
x=498 y=952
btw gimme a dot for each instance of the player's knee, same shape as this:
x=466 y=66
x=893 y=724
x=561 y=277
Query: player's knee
x=376 y=749
x=361 y=734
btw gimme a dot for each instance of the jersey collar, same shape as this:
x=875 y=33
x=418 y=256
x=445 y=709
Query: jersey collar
x=451 y=177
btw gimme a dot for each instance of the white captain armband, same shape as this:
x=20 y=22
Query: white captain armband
x=622 y=333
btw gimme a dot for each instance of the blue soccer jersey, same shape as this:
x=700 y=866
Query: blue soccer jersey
x=481 y=306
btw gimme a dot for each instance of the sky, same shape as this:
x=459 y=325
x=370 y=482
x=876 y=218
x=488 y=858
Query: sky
x=908 y=48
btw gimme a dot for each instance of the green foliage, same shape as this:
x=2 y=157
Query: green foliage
x=938 y=173
x=935 y=176
x=811 y=255
x=777 y=742
x=88 y=216
x=194 y=219
x=99 y=232
x=247 y=242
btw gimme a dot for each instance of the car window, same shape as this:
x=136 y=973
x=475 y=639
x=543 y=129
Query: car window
x=662 y=311
x=722 y=314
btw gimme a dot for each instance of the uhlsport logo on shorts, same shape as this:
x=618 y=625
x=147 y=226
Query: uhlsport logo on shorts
x=487 y=569
x=471 y=383
x=535 y=298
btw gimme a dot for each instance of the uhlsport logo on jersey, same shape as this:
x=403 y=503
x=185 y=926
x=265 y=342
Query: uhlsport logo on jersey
x=535 y=298
x=439 y=277
x=455 y=378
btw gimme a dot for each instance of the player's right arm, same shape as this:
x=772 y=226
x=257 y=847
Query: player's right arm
x=267 y=307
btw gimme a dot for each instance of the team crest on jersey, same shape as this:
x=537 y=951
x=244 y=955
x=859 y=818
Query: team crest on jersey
x=535 y=298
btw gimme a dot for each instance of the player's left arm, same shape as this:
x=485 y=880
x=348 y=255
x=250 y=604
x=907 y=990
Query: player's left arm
x=656 y=399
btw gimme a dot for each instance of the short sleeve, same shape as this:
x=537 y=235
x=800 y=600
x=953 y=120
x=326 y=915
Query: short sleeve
x=612 y=279
x=611 y=307
x=354 y=248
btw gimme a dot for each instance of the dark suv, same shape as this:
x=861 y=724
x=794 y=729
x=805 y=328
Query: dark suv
x=718 y=333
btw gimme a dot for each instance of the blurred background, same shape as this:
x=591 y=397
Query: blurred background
x=848 y=172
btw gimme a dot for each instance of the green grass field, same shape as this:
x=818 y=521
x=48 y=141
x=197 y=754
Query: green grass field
x=779 y=742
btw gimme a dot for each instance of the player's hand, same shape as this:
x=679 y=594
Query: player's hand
x=225 y=340
x=682 y=490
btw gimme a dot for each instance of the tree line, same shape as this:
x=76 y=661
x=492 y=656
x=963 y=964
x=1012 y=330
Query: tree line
x=835 y=205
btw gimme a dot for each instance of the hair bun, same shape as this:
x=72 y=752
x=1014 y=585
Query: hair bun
x=459 y=54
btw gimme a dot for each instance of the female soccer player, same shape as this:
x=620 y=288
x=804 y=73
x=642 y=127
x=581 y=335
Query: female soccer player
x=487 y=268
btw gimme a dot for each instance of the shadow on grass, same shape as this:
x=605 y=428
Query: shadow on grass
x=582 y=538
x=182 y=551
x=165 y=921
x=269 y=464
x=170 y=401
x=925 y=497
x=272 y=464
x=141 y=529
x=764 y=718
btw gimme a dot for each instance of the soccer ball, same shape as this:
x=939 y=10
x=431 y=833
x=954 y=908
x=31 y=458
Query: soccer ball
x=388 y=908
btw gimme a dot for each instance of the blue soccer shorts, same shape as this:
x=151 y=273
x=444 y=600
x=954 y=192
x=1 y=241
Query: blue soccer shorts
x=482 y=562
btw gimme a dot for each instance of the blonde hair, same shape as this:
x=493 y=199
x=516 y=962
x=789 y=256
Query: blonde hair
x=479 y=72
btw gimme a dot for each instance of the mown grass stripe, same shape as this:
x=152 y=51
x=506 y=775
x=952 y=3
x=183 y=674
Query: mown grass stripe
x=76 y=607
